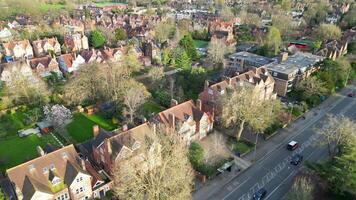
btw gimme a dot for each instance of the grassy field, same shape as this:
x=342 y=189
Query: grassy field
x=46 y=7
x=241 y=146
x=11 y=122
x=201 y=43
x=152 y=107
x=81 y=128
x=11 y=155
x=108 y=3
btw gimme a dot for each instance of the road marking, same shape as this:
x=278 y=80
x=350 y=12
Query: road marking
x=291 y=174
x=237 y=187
x=272 y=174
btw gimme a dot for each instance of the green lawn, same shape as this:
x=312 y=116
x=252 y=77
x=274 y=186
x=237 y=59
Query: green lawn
x=152 y=107
x=46 y=7
x=15 y=150
x=108 y=3
x=201 y=43
x=241 y=146
x=81 y=128
x=11 y=122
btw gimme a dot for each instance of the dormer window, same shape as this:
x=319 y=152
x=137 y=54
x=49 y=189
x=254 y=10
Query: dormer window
x=56 y=181
x=136 y=146
x=64 y=155
x=45 y=170
x=31 y=167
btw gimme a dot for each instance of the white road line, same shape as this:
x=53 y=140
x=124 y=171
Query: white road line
x=291 y=174
x=237 y=187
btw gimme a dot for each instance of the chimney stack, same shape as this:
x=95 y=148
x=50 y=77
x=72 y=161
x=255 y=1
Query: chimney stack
x=83 y=164
x=174 y=102
x=125 y=127
x=40 y=151
x=283 y=57
x=108 y=144
x=199 y=104
x=96 y=130
x=172 y=121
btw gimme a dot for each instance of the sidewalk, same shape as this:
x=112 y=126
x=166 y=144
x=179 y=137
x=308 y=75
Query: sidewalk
x=264 y=147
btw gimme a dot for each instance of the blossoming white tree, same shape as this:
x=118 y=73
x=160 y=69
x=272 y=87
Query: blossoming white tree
x=57 y=115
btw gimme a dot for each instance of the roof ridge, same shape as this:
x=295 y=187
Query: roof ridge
x=61 y=149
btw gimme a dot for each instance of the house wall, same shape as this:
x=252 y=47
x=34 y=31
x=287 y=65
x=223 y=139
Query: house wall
x=81 y=182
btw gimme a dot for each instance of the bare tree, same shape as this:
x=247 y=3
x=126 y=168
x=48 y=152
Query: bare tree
x=311 y=86
x=336 y=132
x=135 y=94
x=243 y=106
x=156 y=75
x=171 y=178
x=302 y=189
x=24 y=89
x=217 y=49
x=84 y=85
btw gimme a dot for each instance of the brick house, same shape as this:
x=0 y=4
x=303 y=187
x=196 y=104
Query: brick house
x=18 y=49
x=187 y=119
x=259 y=78
x=43 y=47
x=69 y=63
x=76 y=42
x=44 y=66
x=56 y=175
x=223 y=30
x=111 y=150
x=8 y=70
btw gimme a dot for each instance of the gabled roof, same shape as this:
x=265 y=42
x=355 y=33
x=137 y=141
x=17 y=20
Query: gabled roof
x=22 y=43
x=128 y=138
x=181 y=112
x=45 y=61
x=52 y=41
x=35 y=174
x=254 y=76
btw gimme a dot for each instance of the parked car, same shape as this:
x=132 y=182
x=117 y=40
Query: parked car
x=260 y=194
x=296 y=159
x=352 y=94
x=292 y=145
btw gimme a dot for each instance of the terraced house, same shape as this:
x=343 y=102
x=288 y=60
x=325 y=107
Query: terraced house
x=259 y=78
x=57 y=175
x=187 y=119
x=112 y=150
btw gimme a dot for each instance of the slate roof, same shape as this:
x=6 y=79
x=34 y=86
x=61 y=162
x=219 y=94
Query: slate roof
x=29 y=176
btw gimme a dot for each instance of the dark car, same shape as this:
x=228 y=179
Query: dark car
x=352 y=94
x=296 y=159
x=292 y=145
x=260 y=194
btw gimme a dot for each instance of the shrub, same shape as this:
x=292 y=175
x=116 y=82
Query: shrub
x=196 y=155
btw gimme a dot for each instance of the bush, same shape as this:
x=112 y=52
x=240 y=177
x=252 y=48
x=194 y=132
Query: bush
x=196 y=155
x=96 y=39
x=273 y=128
x=163 y=98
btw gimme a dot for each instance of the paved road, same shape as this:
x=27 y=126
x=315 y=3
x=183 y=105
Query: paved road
x=273 y=171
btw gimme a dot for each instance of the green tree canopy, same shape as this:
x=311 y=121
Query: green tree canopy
x=328 y=32
x=187 y=43
x=273 y=39
x=96 y=39
x=120 y=34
